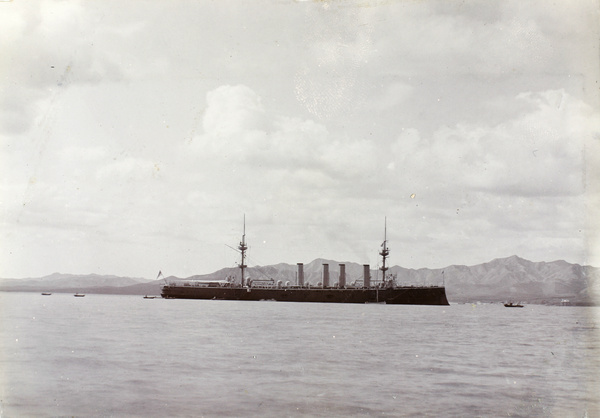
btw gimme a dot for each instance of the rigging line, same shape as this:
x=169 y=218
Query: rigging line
x=262 y=273
x=251 y=260
x=234 y=249
x=247 y=256
x=239 y=252
x=257 y=266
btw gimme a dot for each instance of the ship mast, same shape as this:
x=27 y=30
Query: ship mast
x=385 y=252
x=243 y=247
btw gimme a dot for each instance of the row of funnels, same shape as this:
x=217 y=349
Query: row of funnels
x=342 y=281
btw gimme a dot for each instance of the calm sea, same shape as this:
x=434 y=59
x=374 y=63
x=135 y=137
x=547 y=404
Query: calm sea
x=105 y=355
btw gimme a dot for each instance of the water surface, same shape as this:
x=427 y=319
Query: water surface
x=107 y=355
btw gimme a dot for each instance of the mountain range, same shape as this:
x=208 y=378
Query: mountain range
x=503 y=279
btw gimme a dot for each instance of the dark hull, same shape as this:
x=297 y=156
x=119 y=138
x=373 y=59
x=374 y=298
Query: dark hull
x=400 y=296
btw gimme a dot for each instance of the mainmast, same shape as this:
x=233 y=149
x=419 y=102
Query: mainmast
x=243 y=247
x=385 y=252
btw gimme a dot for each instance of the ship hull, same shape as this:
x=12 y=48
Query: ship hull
x=434 y=295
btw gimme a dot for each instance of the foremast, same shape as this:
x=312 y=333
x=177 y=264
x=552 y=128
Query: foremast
x=243 y=247
x=384 y=253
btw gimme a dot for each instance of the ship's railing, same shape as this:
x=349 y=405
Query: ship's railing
x=267 y=284
x=192 y=283
x=347 y=287
x=261 y=283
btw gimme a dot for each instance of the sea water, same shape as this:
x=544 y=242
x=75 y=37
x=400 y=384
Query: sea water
x=107 y=355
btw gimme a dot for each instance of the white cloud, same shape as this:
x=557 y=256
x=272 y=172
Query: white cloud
x=128 y=169
x=539 y=153
x=233 y=109
x=327 y=82
x=81 y=154
x=394 y=95
x=238 y=130
x=48 y=46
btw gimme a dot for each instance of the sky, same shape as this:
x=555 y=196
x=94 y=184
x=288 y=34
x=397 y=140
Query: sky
x=136 y=136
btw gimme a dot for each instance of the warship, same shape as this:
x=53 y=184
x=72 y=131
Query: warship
x=385 y=291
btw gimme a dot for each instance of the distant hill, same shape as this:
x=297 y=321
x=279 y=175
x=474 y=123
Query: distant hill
x=503 y=279
x=517 y=279
x=58 y=282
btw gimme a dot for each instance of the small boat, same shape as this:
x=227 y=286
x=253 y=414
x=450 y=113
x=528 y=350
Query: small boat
x=150 y=297
x=46 y=294
x=512 y=305
x=79 y=295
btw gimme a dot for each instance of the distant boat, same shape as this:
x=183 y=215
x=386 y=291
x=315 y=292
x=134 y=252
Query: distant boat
x=150 y=297
x=46 y=294
x=78 y=295
x=512 y=305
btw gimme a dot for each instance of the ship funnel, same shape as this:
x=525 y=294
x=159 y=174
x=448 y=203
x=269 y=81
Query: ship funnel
x=342 y=282
x=366 y=275
x=300 y=274
x=325 y=275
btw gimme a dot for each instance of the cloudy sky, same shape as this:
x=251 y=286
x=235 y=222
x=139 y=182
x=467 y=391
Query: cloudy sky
x=135 y=135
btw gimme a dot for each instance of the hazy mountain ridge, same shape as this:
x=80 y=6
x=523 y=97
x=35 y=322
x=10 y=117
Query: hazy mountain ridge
x=512 y=278
x=67 y=281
